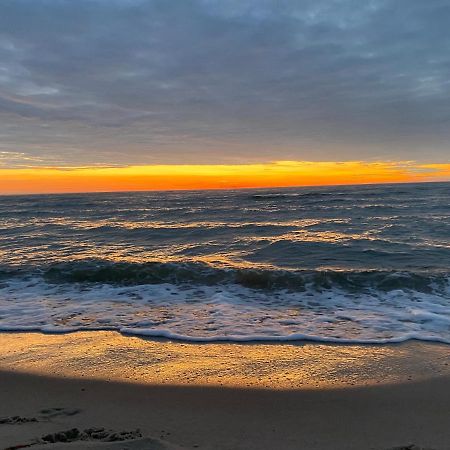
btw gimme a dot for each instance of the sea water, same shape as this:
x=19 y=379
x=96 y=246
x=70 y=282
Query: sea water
x=337 y=264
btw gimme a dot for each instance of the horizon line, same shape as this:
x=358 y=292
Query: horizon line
x=386 y=183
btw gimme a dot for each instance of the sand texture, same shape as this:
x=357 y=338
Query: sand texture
x=301 y=397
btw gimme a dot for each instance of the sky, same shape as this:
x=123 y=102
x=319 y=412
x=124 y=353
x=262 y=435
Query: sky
x=222 y=92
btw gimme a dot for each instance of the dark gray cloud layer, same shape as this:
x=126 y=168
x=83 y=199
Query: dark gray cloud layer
x=119 y=81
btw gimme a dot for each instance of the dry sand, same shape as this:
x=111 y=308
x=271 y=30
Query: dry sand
x=221 y=396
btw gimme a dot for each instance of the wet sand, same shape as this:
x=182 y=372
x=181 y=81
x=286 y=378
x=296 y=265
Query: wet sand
x=221 y=396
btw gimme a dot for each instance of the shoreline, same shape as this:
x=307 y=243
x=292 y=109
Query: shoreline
x=222 y=396
x=166 y=336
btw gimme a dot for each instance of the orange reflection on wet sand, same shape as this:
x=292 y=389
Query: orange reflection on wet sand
x=112 y=356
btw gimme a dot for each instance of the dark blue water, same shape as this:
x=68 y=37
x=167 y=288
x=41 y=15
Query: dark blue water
x=354 y=263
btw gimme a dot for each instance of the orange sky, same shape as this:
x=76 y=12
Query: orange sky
x=160 y=177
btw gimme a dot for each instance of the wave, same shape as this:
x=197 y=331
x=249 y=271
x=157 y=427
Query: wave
x=167 y=334
x=196 y=302
x=287 y=195
x=197 y=273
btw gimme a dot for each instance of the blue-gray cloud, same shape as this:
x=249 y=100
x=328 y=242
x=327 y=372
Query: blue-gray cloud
x=113 y=81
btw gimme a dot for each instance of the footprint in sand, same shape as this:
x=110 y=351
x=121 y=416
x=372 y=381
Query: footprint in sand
x=104 y=437
x=15 y=420
x=50 y=413
x=43 y=416
x=90 y=434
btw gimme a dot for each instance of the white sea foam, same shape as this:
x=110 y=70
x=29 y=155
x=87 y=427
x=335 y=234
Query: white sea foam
x=226 y=312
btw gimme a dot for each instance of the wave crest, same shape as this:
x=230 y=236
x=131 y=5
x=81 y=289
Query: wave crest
x=127 y=273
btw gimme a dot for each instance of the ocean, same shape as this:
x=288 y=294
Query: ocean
x=350 y=264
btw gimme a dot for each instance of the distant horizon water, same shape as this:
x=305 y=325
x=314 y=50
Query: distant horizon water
x=262 y=188
x=366 y=263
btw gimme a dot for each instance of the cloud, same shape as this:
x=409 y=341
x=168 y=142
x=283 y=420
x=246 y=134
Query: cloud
x=145 y=81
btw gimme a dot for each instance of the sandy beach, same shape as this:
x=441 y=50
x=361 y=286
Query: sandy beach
x=162 y=394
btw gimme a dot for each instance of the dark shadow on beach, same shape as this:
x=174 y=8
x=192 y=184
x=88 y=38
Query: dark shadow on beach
x=157 y=416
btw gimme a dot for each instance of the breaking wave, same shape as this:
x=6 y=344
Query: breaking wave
x=202 y=303
x=126 y=273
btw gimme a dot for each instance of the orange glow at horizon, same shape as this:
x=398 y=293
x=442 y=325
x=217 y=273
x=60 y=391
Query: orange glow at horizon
x=174 y=177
